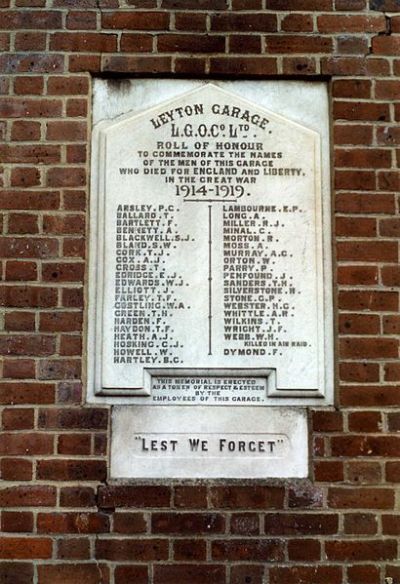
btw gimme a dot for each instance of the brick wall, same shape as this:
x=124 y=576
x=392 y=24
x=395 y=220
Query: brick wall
x=62 y=521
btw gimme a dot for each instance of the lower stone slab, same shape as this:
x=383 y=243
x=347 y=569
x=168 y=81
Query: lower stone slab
x=208 y=442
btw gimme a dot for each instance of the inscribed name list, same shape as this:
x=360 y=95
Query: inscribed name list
x=213 y=243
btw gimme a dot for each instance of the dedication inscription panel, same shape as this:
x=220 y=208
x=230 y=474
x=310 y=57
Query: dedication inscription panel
x=207 y=255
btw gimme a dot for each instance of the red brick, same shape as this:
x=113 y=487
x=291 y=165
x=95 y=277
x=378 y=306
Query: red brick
x=350 y=5
x=191 y=497
x=31 y=63
x=23 y=548
x=352 y=45
x=389 y=180
x=190 y=43
x=243 y=65
x=66 y=177
x=133 y=496
x=15 y=469
x=363 y=574
x=195 y=4
x=296 y=65
x=69 y=392
x=364 y=300
x=357 y=275
x=363 y=472
x=77 y=108
x=23 y=223
x=232 y=22
x=392 y=372
x=352 y=134
x=391 y=525
x=353 y=110
x=73 y=548
x=355 y=227
x=28 y=496
x=33 y=154
x=298 y=44
x=58 y=321
x=90 y=42
x=388 y=136
x=28 y=296
x=32 y=200
x=362 y=158
x=359 y=324
x=327 y=421
x=75 y=444
x=391 y=324
x=129 y=523
x=365 y=203
x=71 y=470
x=241 y=43
x=297 y=23
x=301 y=524
x=132 y=573
x=70 y=345
x=140 y=64
x=17 y=522
x=245 y=524
x=28 y=85
x=359 y=372
x=136 y=43
x=306 y=574
x=305 y=495
x=77 y=497
x=361 y=445
x=30 y=41
x=352 y=88
x=361 y=498
x=251 y=497
x=81 y=20
x=26 y=393
x=394 y=421
x=18 y=418
x=73 y=573
x=73 y=418
x=74 y=247
x=386 y=45
x=370 y=396
x=329 y=23
x=136 y=20
x=328 y=471
x=31 y=19
x=260 y=550
x=389 y=227
x=59 y=369
x=361 y=550
x=244 y=573
x=84 y=63
x=187 y=523
x=23 y=247
x=21 y=271
x=304 y=550
x=126 y=549
x=189 y=550
x=72 y=523
x=360 y=523
x=189 y=573
x=368 y=348
x=25 y=131
x=355 y=180
x=36 y=345
x=190 y=21
x=293 y=5
x=27 y=444
x=16 y=573
x=393 y=472
x=365 y=422
x=66 y=131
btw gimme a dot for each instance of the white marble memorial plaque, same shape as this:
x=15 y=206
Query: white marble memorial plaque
x=208 y=442
x=210 y=247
